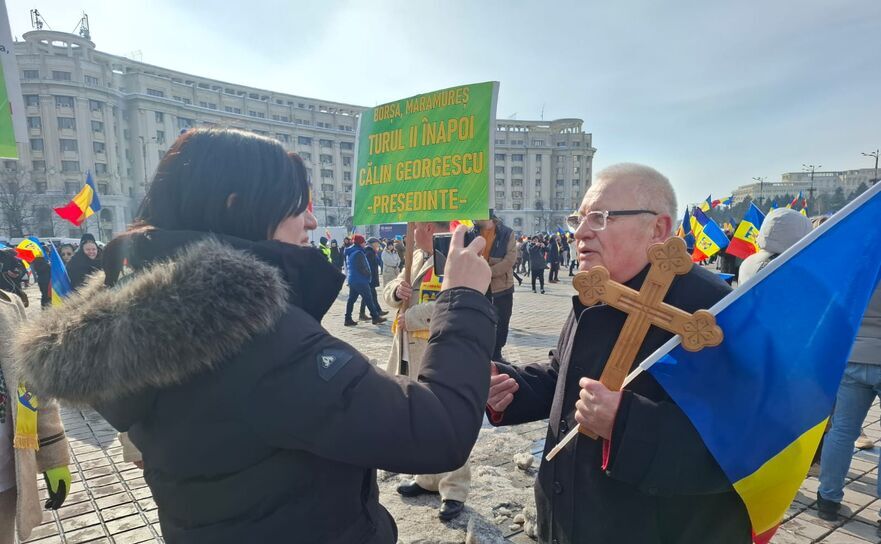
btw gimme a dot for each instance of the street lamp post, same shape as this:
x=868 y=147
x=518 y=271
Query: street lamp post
x=874 y=154
x=761 y=180
x=810 y=168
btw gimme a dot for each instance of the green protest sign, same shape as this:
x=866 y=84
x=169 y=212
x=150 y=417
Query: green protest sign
x=427 y=157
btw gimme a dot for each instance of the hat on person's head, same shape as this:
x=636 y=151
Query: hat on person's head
x=781 y=229
x=88 y=237
x=358 y=239
x=323 y=240
x=373 y=240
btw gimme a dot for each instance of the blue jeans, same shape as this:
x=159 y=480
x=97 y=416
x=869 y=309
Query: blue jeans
x=858 y=389
x=361 y=290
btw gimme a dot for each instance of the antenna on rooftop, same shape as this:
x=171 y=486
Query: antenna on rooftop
x=37 y=20
x=83 y=27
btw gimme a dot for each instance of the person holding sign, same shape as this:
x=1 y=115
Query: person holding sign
x=419 y=299
x=255 y=423
x=649 y=478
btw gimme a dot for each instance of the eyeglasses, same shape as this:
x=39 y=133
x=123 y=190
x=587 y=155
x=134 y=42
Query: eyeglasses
x=598 y=220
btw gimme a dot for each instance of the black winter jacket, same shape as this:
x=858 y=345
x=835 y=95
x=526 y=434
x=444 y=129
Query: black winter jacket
x=660 y=484
x=537 y=260
x=255 y=424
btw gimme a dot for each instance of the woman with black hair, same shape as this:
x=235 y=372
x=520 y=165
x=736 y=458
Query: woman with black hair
x=336 y=256
x=256 y=424
x=85 y=261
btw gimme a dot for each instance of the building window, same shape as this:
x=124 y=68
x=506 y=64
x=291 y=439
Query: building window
x=326 y=173
x=155 y=92
x=500 y=156
x=538 y=157
x=305 y=155
x=347 y=161
x=99 y=147
x=304 y=140
x=103 y=188
x=517 y=157
x=97 y=126
x=561 y=144
x=517 y=170
x=68 y=145
x=500 y=141
x=500 y=195
x=160 y=136
x=64 y=101
x=326 y=159
x=500 y=169
x=518 y=206
x=31 y=100
x=518 y=222
x=347 y=176
x=325 y=143
x=40 y=186
x=160 y=117
x=101 y=169
x=35 y=122
x=575 y=183
x=347 y=146
x=183 y=123
x=38 y=166
x=36 y=144
x=95 y=105
x=58 y=75
x=68 y=123
x=91 y=81
x=70 y=166
x=538 y=143
x=30 y=74
x=282 y=137
x=560 y=182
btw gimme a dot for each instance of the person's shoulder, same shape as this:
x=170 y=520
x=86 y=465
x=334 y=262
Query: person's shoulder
x=698 y=289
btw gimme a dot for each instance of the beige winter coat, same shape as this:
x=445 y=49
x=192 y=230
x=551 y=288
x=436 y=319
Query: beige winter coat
x=418 y=315
x=53 y=450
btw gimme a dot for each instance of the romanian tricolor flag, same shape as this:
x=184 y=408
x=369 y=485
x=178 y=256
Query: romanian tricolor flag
x=467 y=222
x=59 y=285
x=29 y=249
x=795 y=200
x=743 y=243
x=760 y=400
x=711 y=239
x=707 y=204
x=83 y=205
x=684 y=231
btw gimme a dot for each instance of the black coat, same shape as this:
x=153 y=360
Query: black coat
x=660 y=484
x=537 y=259
x=81 y=266
x=255 y=423
x=375 y=265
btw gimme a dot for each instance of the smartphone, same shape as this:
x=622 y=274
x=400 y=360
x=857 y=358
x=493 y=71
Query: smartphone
x=441 y=248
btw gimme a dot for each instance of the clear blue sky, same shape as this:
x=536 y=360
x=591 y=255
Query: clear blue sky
x=710 y=93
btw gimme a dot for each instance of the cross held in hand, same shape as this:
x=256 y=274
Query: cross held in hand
x=645 y=308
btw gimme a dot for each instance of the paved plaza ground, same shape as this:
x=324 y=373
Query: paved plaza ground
x=110 y=502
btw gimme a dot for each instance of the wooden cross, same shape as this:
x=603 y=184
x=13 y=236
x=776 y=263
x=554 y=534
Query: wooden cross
x=645 y=308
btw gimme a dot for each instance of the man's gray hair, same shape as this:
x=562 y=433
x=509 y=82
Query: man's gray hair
x=657 y=192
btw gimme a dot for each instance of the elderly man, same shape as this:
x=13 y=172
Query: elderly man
x=648 y=478
x=419 y=296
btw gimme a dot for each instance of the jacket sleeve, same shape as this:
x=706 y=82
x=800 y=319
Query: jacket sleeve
x=419 y=316
x=388 y=291
x=532 y=401
x=656 y=448
x=53 y=443
x=505 y=265
x=331 y=401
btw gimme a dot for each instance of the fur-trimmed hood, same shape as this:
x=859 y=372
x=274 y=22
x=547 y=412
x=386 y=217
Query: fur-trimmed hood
x=168 y=322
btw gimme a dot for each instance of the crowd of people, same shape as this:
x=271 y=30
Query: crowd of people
x=202 y=342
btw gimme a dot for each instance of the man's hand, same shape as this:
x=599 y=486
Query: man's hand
x=501 y=389
x=597 y=407
x=57 y=485
x=466 y=267
x=404 y=291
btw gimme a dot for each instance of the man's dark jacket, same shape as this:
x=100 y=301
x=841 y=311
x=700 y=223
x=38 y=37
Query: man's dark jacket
x=658 y=482
x=255 y=423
